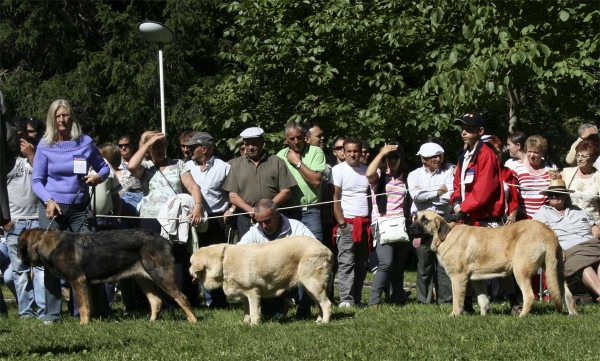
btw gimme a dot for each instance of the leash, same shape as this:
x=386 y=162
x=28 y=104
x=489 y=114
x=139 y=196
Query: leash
x=47 y=229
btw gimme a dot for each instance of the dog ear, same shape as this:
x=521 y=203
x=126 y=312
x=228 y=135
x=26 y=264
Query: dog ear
x=442 y=228
x=214 y=268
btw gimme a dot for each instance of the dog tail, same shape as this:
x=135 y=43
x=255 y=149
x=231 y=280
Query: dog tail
x=555 y=273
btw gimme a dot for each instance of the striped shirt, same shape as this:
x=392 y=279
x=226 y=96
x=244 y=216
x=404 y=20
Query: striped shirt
x=530 y=199
x=396 y=190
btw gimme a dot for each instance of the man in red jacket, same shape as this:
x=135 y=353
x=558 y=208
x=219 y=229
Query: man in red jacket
x=478 y=196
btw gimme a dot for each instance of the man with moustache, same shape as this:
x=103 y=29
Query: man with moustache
x=351 y=211
x=256 y=176
x=430 y=188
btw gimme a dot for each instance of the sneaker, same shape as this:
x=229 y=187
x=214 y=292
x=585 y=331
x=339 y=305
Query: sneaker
x=345 y=304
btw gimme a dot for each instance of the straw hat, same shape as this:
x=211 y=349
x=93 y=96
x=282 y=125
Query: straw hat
x=557 y=185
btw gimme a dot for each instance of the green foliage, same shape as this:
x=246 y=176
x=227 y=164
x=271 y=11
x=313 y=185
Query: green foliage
x=374 y=69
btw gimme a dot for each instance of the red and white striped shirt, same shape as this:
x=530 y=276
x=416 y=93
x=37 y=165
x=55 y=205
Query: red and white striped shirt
x=530 y=199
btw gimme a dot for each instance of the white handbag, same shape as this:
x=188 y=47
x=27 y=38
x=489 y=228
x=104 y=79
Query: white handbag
x=391 y=230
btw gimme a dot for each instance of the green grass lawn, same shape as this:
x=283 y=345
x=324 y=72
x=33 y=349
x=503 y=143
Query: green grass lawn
x=383 y=333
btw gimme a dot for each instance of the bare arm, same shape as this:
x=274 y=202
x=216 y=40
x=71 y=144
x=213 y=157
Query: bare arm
x=313 y=178
x=371 y=172
x=135 y=162
x=282 y=196
x=237 y=201
x=192 y=187
x=337 y=205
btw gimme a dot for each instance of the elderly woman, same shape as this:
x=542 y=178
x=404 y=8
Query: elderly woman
x=585 y=181
x=60 y=179
x=534 y=175
x=392 y=256
x=575 y=231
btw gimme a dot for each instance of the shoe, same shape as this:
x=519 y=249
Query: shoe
x=279 y=316
x=345 y=305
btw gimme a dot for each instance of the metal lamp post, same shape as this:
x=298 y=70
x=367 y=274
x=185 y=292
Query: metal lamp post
x=160 y=34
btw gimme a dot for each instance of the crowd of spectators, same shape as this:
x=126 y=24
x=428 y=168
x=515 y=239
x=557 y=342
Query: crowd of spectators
x=58 y=178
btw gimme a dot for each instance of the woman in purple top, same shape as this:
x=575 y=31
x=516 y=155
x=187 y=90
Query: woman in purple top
x=61 y=180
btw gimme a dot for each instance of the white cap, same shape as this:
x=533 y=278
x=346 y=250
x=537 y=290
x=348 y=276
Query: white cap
x=430 y=149
x=254 y=132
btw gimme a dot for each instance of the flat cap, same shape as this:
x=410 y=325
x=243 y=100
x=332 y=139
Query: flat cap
x=253 y=132
x=430 y=149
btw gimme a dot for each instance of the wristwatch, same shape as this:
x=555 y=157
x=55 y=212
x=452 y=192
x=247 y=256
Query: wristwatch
x=232 y=210
x=298 y=165
x=343 y=225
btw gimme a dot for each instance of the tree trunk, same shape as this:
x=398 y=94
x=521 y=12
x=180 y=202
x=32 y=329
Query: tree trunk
x=514 y=111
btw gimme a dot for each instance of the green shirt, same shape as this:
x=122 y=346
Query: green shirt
x=314 y=158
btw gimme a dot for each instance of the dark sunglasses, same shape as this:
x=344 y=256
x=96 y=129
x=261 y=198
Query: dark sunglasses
x=124 y=145
x=393 y=156
x=339 y=148
x=555 y=196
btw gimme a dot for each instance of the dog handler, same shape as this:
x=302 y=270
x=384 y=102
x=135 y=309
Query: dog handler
x=478 y=197
x=61 y=180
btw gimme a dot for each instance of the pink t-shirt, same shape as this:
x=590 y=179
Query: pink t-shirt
x=396 y=190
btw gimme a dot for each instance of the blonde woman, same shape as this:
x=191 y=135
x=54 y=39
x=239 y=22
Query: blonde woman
x=61 y=180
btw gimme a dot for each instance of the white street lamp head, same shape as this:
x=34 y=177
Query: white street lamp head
x=156 y=32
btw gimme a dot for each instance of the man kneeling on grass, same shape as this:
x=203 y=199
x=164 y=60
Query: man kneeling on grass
x=271 y=225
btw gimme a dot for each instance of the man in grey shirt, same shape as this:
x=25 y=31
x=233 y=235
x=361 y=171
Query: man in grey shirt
x=23 y=207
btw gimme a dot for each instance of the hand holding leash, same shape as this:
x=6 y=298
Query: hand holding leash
x=52 y=208
x=455 y=217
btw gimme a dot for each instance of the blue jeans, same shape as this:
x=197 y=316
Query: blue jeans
x=311 y=218
x=28 y=290
x=6 y=269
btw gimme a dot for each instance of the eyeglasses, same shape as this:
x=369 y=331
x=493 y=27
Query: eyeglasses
x=584 y=157
x=339 y=148
x=393 y=156
x=124 y=145
x=554 y=196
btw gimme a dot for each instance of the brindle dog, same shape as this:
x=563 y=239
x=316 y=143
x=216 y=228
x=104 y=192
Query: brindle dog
x=108 y=256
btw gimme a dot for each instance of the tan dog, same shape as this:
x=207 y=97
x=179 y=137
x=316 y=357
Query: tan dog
x=266 y=270
x=478 y=253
